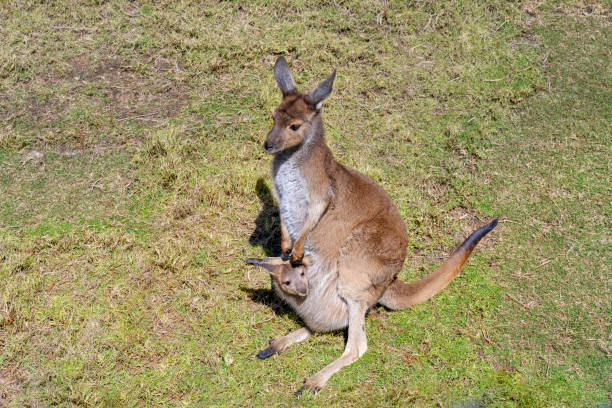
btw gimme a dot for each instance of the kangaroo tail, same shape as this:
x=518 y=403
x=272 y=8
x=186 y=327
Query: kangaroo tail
x=400 y=295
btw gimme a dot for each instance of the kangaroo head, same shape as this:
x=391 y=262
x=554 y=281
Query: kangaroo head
x=290 y=279
x=293 y=119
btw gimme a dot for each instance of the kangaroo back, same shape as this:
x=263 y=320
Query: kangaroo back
x=401 y=295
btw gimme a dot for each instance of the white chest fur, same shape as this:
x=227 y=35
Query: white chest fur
x=292 y=192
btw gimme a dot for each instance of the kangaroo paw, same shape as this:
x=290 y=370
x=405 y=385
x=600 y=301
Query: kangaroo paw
x=297 y=254
x=286 y=246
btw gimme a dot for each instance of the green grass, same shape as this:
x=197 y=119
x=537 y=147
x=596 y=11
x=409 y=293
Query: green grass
x=132 y=180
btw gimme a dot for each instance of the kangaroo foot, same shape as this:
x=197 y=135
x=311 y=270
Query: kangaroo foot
x=267 y=352
x=312 y=384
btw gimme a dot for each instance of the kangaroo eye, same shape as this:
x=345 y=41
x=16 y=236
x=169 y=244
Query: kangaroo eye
x=302 y=274
x=287 y=283
x=294 y=127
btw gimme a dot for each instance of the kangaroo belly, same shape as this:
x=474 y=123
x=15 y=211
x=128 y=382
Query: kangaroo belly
x=323 y=309
x=292 y=192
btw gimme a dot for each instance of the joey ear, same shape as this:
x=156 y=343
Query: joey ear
x=283 y=77
x=322 y=91
x=260 y=263
x=269 y=264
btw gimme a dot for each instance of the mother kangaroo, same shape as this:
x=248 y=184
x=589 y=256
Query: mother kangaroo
x=346 y=223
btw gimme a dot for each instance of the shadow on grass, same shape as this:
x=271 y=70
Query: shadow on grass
x=268 y=297
x=267 y=235
x=267 y=224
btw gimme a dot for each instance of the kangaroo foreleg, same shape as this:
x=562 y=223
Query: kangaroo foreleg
x=281 y=343
x=356 y=346
x=286 y=243
x=315 y=211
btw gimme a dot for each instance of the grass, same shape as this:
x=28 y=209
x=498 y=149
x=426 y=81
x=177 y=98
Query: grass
x=133 y=182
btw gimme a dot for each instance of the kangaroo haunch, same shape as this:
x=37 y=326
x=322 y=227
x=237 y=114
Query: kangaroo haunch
x=348 y=226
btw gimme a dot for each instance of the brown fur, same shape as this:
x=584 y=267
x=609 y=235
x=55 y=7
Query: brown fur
x=351 y=227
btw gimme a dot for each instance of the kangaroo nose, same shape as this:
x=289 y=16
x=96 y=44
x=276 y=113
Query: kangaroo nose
x=267 y=146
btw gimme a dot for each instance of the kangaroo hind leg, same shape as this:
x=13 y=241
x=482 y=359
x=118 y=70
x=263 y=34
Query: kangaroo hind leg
x=356 y=346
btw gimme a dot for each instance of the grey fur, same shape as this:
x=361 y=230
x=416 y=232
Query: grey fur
x=283 y=77
x=322 y=91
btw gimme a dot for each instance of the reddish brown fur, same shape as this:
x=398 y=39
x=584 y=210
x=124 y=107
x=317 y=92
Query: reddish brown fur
x=351 y=224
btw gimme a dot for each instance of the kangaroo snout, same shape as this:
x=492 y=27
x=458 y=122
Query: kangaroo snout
x=268 y=147
x=273 y=141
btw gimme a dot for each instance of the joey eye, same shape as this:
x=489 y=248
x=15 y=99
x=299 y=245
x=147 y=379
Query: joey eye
x=302 y=274
x=287 y=283
x=294 y=127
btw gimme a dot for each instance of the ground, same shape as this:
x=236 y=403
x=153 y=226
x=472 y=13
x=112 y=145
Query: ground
x=133 y=182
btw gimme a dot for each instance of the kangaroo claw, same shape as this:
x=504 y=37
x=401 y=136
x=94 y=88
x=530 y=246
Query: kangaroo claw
x=296 y=260
x=296 y=255
x=303 y=388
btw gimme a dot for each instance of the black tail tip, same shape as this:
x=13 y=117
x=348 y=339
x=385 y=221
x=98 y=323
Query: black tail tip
x=491 y=225
x=477 y=235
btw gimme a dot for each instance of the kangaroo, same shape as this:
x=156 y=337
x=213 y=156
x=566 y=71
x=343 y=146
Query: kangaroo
x=347 y=224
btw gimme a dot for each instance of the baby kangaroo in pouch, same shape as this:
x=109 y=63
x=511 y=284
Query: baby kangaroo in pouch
x=350 y=229
x=286 y=277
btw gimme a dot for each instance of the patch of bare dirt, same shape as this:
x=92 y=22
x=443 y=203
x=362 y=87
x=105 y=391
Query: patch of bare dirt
x=586 y=9
x=468 y=221
x=525 y=39
x=75 y=100
x=132 y=95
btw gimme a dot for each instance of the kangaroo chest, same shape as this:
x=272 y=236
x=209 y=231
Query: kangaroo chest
x=292 y=190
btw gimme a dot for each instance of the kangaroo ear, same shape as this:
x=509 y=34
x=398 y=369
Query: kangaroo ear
x=269 y=264
x=283 y=77
x=318 y=95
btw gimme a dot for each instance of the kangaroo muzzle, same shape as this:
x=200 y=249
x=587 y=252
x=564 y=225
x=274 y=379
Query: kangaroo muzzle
x=274 y=141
